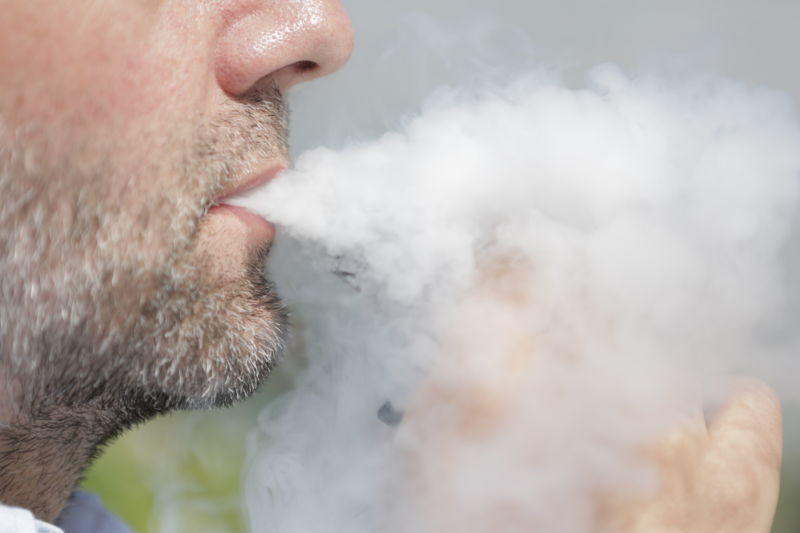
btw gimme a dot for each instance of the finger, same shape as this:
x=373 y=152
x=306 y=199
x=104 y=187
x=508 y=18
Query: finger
x=749 y=423
x=742 y=466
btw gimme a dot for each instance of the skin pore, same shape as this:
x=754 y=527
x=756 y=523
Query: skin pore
x=121 y=123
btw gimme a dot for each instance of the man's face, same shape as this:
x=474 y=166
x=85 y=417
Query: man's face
x=122 y=124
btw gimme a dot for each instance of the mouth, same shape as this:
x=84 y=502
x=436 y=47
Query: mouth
x=256 y=228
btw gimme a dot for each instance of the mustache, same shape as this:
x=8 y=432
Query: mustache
x=264 y=110
x=249 y=132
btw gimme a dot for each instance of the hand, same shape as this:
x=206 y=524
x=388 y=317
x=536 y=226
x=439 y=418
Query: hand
x=718 y=477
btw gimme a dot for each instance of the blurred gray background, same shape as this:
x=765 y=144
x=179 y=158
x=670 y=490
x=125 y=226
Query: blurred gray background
x=404 y=50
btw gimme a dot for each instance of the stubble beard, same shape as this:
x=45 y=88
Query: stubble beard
x=109 y=305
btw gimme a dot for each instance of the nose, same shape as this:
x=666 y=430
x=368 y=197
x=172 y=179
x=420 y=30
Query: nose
x=282 y=41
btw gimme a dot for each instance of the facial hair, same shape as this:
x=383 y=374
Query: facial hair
x=109 y=305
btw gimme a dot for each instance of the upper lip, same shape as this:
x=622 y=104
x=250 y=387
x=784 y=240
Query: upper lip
x=251 y=182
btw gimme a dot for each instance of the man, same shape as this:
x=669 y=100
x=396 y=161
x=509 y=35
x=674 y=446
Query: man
x=128 y=287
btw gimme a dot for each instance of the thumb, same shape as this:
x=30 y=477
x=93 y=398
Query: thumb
x=742 y=464
x=749 y=423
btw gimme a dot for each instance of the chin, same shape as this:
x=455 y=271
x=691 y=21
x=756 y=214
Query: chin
x=208 y=339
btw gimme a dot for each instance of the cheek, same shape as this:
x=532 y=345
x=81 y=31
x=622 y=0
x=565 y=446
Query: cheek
x=121 y=86
x=107 y=67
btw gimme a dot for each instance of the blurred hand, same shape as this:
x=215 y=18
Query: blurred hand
x=716 y=477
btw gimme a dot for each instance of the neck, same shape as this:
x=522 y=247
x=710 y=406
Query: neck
x=42 y=457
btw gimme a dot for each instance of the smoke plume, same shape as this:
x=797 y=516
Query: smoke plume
x=499 y=303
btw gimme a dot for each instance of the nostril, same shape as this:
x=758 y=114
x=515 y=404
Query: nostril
x=287 y=42
x=301 y=67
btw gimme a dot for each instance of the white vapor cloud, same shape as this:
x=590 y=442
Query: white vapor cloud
x=542 y=277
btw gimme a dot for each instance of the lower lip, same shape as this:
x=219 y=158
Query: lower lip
x=258 y=228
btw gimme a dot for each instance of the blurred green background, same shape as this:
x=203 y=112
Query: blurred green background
x=182 y=472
